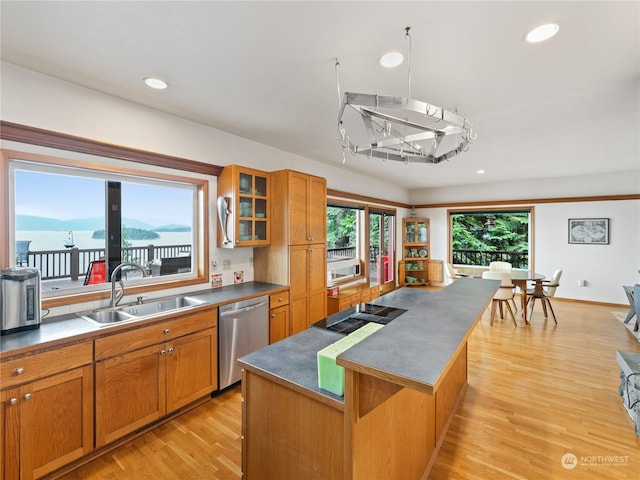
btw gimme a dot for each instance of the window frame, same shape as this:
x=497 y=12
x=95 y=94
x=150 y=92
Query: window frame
x=364 y=248
x=480 y=210
x=201 y=236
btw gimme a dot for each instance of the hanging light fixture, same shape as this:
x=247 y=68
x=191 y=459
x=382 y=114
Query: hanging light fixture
x=401 y=128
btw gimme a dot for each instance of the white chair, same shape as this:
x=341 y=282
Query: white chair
x=452 y=273
x=500 y=267
x=504 y=267
x=503 y=295
x=547 y=291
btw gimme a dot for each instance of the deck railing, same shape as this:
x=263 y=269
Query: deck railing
x=74 y=262
x=483 y=258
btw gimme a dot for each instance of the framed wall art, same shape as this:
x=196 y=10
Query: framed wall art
x=589 y=231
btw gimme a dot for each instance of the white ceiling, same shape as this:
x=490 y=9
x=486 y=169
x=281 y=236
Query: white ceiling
x=266 y=71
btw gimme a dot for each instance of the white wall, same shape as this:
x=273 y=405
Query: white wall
x=34 y=99
x=615 y=183
x=605 y=268
x=31 y=98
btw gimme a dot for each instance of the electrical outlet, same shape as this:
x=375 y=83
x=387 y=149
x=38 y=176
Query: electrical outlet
x=226 y=264
x=214 y=264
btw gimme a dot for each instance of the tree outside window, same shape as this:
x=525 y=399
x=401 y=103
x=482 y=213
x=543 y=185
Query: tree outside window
x=478 y=238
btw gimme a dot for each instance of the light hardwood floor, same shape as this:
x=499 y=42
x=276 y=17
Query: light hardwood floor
x=535 y=393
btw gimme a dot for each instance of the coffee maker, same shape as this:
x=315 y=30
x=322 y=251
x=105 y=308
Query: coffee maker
x=19 y=299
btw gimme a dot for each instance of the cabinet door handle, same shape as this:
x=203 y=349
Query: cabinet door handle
x=27 y=396
x=166 y=331
x=13 y=401
x=163 y=351
x=170 y=350
x=19 y=371
x=273 y=315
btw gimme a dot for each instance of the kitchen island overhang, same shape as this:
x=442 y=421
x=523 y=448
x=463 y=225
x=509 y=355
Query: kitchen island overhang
x=403 y=385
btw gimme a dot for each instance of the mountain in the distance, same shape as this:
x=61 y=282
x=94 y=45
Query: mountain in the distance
x=32 y=222
x=173 y=228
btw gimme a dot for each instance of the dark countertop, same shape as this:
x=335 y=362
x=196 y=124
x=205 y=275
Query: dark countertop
x=412 y=351
x=69 y=327
x=293 y=362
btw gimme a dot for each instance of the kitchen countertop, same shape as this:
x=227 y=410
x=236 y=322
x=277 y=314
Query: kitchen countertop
x=64 y=328
x=413 y=350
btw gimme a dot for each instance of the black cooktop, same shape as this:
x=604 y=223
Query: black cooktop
x=348 y=321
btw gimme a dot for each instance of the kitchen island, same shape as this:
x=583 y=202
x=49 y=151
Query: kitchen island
x=403 y=385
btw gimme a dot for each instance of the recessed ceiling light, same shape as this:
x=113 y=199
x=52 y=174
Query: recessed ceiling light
x=155 y=83
x=542 y=33
x=480 y=172
x=391 y=59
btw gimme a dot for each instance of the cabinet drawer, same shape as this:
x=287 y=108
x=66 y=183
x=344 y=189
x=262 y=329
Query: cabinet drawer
x=279 y=299
x=40 y=365
x=120 y=343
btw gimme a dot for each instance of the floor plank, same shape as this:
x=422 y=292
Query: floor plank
x=536 y=393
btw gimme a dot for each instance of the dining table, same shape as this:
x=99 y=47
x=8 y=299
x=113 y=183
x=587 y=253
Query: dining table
x=519 y=278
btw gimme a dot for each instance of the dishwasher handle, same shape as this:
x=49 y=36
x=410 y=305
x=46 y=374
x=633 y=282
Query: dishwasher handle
x=254 y=306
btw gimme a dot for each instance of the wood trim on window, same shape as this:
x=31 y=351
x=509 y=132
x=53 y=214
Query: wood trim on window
x=202 y=268
x=62 y=141
x=4 y=210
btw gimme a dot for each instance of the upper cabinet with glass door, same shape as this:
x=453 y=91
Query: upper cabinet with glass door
x=415 y=240
x=243 y=208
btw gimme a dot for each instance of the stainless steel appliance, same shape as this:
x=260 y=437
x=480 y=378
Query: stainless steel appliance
x=243 y=327
x=19 y=299
x=351 y=319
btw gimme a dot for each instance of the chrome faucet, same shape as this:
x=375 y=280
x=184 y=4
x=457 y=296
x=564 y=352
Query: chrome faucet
x=113 y=302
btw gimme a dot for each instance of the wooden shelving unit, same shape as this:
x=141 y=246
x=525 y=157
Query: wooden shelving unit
x=414 y=268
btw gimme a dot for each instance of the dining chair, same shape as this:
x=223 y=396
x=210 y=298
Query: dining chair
x=500 y=267
x=547 y=291
x=452 y=273
x=504 y=267
x=503 y=295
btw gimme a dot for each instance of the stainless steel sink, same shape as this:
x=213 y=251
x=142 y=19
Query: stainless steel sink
x=161 y=306
x=108 y=316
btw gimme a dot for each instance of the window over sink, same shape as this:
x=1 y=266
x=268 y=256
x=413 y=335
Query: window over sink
x=76 y=221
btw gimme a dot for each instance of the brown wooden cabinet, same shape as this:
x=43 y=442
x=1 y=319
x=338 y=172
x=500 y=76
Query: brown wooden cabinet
x=413 y=269
x=352 y=296
x=279 y=325
x=435 y=271
x=247 y=194
x=307 y=199
x=297 y=254
x=139 y=379
x=46 y=422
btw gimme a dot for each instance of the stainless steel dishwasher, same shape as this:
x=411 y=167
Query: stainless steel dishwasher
x=243 y=327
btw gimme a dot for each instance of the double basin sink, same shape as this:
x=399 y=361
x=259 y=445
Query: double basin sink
x=109 y=316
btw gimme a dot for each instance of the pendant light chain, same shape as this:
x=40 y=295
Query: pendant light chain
x=407 y=35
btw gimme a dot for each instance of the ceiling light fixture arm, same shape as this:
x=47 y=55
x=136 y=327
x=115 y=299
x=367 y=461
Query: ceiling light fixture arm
x=393 y=125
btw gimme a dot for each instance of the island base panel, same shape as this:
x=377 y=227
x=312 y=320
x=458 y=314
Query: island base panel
x=394 y=440
x=287 y=434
